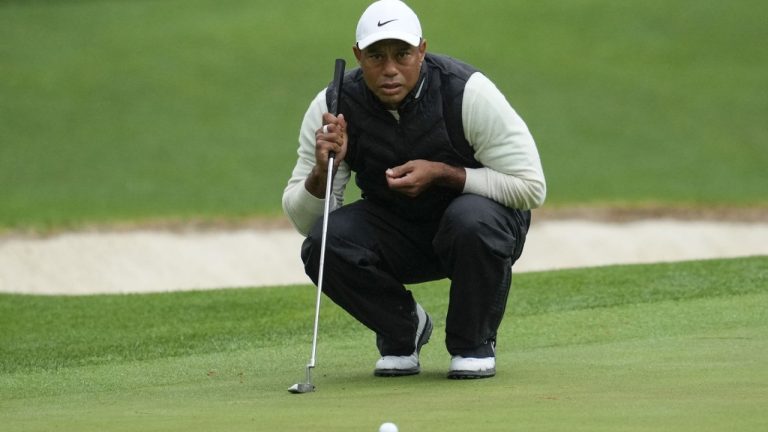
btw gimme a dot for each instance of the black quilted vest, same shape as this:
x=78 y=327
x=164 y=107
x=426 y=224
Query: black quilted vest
x=430 y=128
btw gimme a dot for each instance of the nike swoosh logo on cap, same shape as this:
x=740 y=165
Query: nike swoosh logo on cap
x=381 y=24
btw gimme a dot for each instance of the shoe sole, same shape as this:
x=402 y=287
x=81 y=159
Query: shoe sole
x=390 y=373
x=465 y=375
x=423 y=340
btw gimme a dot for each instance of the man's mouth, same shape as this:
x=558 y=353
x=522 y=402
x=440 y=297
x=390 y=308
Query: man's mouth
x=390 y=88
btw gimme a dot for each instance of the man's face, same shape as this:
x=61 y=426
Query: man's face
x=391 y=69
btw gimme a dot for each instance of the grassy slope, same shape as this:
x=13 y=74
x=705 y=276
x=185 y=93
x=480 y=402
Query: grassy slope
x=652 y=347
x=143 y=109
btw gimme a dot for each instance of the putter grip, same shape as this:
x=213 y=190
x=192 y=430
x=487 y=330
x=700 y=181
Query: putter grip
x=338 y=80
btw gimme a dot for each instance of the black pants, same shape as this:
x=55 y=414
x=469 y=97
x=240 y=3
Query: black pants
x=371 y=253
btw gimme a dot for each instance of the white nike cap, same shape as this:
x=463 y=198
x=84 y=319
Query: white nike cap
x=388 y=19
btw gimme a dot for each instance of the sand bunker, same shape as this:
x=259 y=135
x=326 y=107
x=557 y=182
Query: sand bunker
x=156 y=260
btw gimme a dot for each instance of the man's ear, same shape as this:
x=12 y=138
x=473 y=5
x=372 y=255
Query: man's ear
x=358 y=53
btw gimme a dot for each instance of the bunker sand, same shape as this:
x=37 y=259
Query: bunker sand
x=159 y=259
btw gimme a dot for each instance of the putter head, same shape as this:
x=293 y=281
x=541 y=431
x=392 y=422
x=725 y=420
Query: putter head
x=301 y=388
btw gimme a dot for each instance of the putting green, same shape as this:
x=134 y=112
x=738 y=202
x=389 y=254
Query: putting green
x=676 y=363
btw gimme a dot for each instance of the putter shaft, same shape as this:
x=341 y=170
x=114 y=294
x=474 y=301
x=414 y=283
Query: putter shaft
x=326 y=211
x=308 y=386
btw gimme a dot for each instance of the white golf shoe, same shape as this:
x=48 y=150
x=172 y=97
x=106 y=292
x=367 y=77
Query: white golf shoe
x=397 y=365
x=470 y=367
x=391 y=366
x=480 y=365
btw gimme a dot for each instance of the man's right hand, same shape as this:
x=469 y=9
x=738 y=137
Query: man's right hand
x=332 y=137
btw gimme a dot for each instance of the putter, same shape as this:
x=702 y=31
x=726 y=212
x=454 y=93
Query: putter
x=306 y=387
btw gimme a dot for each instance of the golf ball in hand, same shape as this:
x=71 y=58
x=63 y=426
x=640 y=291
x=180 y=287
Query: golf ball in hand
x=388 y=427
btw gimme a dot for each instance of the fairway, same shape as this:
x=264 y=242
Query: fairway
x=653 y=347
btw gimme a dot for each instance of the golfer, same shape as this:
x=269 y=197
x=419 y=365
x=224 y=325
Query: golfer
x=448 y=173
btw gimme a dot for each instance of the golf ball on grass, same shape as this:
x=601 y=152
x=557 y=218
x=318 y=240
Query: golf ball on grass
x=388 y=427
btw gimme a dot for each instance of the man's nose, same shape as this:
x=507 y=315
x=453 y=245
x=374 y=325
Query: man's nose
x=390 y=66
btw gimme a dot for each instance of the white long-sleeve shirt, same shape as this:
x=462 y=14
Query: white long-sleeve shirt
x=511 y=174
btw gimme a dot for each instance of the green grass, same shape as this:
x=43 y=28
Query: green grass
x=648 y=347
x=136 y=110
